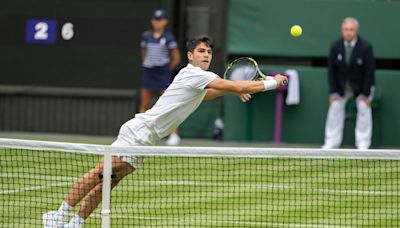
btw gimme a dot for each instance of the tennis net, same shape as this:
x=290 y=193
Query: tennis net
x=206 y=186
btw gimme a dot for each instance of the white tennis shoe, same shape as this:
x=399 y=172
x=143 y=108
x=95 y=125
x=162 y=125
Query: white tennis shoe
x=73 y=225
x=173 y=140
x=53 y=219
x=76 y=222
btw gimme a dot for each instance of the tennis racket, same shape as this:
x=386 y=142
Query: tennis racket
x=245 y=69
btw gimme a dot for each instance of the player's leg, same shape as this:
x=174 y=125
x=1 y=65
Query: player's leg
x=146 y=98
x=94 y=196
x=363 y=130
x=335 y=123
x=89 y=180
x=82 y=186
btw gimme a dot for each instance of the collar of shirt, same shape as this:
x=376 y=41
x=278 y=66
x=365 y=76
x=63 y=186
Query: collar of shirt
x=161 y=35
x=193 y=66
x=352 y=42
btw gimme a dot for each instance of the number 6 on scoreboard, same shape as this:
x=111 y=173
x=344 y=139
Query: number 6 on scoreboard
x=67 y=31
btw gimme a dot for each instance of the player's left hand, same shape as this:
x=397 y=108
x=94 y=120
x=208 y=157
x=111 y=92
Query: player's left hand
x=245 y=97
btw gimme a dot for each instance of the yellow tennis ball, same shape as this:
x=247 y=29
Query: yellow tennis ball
x=296 y=30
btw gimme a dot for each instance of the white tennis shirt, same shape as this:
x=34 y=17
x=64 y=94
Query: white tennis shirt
x=181 y=98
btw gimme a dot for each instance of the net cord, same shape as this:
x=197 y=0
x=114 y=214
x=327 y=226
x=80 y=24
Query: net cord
x=162 y=151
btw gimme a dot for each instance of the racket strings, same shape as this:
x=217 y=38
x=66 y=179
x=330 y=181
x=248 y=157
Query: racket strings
x=242 y=70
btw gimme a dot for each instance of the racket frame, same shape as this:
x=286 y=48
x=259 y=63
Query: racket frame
x=260 y=75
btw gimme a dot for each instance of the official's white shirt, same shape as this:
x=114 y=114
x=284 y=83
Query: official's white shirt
x=181 y=98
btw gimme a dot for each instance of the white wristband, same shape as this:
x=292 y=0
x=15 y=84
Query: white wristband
x=269 y=84
x=269 y=77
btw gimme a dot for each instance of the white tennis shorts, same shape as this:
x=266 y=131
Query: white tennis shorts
x=134 y=133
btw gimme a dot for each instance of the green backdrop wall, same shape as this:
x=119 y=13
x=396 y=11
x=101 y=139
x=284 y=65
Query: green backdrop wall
x=261 y=27
x=304 y=123
x=200 y=124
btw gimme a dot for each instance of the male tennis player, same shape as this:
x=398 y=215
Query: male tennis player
x=191 y=86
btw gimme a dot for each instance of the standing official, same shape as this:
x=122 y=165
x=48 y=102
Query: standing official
x=351 y=69
x=160 y=56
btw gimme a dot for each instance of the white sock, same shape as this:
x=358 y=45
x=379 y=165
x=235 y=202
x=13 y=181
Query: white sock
x=76 y=220
x=64 y=209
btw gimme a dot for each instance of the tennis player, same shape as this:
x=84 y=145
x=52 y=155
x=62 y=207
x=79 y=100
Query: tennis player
x=191 y=86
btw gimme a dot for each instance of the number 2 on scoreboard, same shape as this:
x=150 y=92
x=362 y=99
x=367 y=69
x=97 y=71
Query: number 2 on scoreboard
x=41 y=31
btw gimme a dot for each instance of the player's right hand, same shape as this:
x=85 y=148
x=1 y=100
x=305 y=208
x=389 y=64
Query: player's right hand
x=280 y=80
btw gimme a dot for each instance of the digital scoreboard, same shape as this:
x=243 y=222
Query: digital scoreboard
x=46 y=31
x=85 y=43
x=84 y=31
x=71 y=51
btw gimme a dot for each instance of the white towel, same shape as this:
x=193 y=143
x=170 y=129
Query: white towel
x=293 y=91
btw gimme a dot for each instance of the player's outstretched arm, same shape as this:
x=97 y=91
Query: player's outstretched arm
x=213 y=93
x=240 y=87
x=220 y=87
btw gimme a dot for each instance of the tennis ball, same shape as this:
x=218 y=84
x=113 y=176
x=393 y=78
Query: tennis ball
x=296 y=30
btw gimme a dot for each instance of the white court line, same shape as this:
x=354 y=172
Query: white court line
x=202 y=183
x=34 y=188
x=269 y=186
x=36 y=177
x=66 y=181
x=269 y=224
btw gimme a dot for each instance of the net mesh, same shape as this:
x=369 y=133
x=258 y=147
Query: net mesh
x=34 y=182
x=196 y=189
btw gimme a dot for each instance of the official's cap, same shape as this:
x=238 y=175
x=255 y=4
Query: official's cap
x=160 y=14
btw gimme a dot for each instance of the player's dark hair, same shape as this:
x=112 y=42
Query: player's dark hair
x=192 y=43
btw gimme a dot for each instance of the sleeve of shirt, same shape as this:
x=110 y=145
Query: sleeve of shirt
x=172 y=44
x=201 y=80
x=143 y=41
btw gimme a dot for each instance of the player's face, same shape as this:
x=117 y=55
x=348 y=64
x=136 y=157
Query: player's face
x=349 y=31
x=201 y=56
x=159 y=24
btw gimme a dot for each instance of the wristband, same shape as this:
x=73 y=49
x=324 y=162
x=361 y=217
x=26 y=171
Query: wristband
x=269 y=77
x=269 y=84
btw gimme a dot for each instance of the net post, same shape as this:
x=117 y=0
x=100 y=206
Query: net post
x=106 y=191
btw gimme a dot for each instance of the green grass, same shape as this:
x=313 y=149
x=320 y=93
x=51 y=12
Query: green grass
x=210 y=192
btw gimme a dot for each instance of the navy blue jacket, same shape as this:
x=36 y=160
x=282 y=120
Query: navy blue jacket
x=360 y=72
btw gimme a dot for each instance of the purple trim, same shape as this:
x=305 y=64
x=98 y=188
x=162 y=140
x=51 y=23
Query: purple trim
x=279 y=106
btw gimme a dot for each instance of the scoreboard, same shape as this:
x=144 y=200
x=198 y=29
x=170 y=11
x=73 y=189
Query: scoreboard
x=85 y=32
x=87 y=43
x=45 y=31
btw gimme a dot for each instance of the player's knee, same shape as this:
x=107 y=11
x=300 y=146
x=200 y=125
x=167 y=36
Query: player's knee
x=129 y=169
x=113 y=177
x=93 y=174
